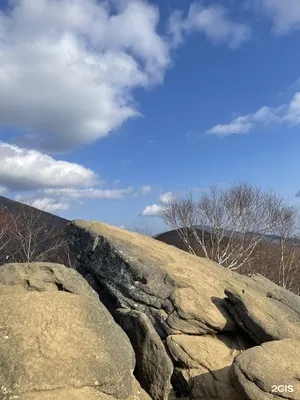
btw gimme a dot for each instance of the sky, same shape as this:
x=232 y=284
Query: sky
x=110 y=108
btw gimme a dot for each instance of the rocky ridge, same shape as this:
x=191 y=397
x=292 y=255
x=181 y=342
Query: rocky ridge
x=140 y=320
x=206 y=317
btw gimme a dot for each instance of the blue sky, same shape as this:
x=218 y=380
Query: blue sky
x=108 y=106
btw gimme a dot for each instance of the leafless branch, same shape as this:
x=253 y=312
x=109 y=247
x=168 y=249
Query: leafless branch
x=227 y=224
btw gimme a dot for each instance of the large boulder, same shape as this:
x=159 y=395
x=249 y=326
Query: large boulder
x=184 y=298
x=204 y=363
x=263 y=317
x=180 y=293
x=57 y=341
x=269 y=371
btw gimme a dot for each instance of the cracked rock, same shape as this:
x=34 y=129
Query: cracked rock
x=137 y=272
x=203 y=364
x=153 y=365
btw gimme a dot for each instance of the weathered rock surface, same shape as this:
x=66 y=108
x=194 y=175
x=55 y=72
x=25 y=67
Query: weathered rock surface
x=276 y=292
x=66 y=394
x=85 y=393
x=57 y=341
x=203 y=364
x=153 y=365
x=263 y=317
x=183 y=297
x=180 y=293
x=42 y=277
x=269 y=371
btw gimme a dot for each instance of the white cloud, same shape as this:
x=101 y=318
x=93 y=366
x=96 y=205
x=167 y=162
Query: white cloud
x=175 y=27
x=68 y=68
x=238 y=125
x=89 y=193
x=44 y=204
x=54 y=182
x=285 y=14
x=152 y=210
x=285 y=114
x=213 y=21
x=61 y=199
x=22 y=169
x=146 y=190
x=292 y=114
x=166 y=197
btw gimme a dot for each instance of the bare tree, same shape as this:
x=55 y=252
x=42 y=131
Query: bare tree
x=289 y=261
x=33 y=236
x=226 y=224
x=4 y=237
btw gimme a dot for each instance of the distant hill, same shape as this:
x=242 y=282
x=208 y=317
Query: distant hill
x=14 y=206
x=172 y=237
x=31 y=234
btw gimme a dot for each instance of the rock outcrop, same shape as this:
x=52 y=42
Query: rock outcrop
x=203 y=329
x=203 y=364
x=269 y=371
x=180 y=293
x=57 y=341
x=261 y=316
x=43 y=277
x=276 y=292
x=143 y=320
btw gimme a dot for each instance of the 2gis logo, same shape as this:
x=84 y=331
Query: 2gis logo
x=282 y=389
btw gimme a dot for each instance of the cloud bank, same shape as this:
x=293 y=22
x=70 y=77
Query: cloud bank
x=44 y=204
x=69 y=67
x=285 y=14
x=288 y=114
x=22 y=169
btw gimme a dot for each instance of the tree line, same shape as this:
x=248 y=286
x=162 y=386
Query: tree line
x=243 y=228
x=29 y=234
